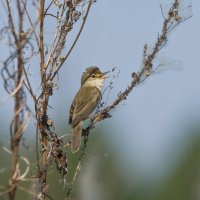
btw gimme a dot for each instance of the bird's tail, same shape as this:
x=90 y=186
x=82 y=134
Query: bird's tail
x=76 y=137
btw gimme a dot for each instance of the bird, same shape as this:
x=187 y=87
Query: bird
x=84 y=103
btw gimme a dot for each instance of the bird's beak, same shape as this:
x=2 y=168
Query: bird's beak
x=103 y=76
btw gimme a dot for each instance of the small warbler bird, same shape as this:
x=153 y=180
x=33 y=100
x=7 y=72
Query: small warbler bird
x=85 y=102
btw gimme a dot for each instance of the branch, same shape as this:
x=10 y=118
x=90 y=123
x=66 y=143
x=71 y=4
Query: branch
x=30 y=21
x=75 y=41
x=173 y=19
x=12 y=27
x=42 y=118
x=19 y=124
x=147 y=69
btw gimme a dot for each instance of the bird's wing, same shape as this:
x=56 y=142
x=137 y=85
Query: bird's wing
x=85 y=105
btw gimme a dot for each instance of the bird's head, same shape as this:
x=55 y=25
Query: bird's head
x=93 y=77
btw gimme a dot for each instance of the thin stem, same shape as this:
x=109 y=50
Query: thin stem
x=12 y=27
x=75 y=41
x=30 y=21
x=42 y=121
x=17 y=121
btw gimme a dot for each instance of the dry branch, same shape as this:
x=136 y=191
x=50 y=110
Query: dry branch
x=53 y=147
x=171 y=21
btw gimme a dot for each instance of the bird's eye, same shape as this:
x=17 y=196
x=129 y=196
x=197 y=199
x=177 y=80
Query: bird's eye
x=93 y=76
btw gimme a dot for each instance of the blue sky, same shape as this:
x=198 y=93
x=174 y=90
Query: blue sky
x=154 y=117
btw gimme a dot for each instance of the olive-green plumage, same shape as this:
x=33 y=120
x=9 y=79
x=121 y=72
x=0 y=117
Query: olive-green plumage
x=84 y=103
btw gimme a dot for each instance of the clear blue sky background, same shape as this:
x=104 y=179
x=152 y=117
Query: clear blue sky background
x=147 y=127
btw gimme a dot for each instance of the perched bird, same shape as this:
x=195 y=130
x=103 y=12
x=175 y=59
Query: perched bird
x=85 y=102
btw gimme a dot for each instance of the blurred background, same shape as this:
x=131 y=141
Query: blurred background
x=150 y=148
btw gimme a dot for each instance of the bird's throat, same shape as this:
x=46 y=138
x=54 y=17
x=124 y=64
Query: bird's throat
x=98 y=83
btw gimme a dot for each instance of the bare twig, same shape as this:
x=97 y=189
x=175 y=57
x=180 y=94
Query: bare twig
x=12 y=93
x=18 y=124
x=51 y=61
x=30 y=21
x=11 y=21
x=75 y=41
x=29 y=87
x=137 y=78
x=42 y=123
